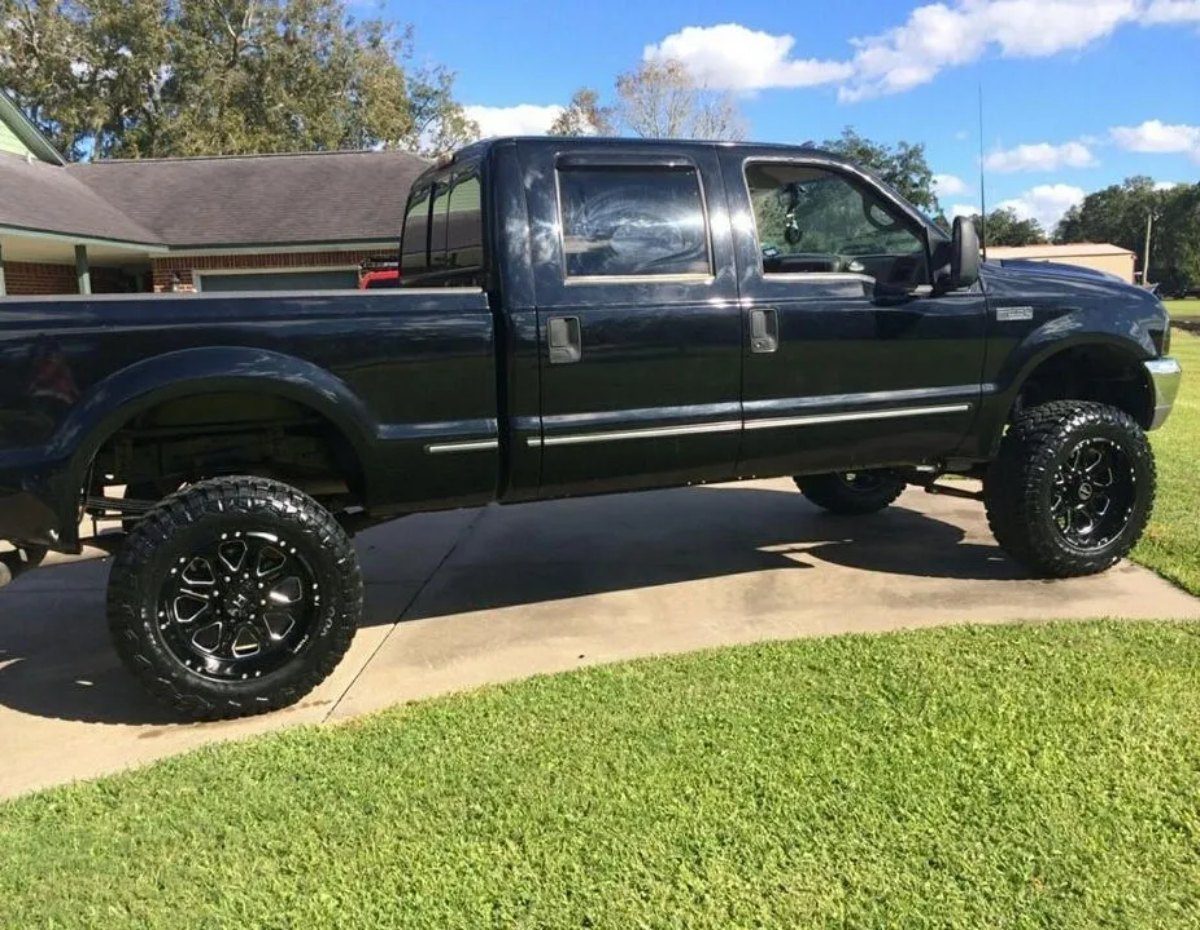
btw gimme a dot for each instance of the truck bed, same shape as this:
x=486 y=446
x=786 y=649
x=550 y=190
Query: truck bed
x=395 y=373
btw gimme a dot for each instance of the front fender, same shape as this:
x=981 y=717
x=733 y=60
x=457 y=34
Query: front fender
x=1073 y=329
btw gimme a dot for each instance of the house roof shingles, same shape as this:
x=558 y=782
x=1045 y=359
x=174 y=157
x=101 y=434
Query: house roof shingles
x=328 y=197
x=45 y=198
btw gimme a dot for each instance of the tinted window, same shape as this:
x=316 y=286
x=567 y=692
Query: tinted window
x=464 y=224
x=414 y=241
x=633 y=221
x=437 y=227
x=443 y=233
x=812 y=220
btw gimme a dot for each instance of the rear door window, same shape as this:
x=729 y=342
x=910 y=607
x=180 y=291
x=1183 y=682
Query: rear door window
x=633 y=221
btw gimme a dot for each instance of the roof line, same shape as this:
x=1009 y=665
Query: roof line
x=14 y=230
x=329 y=244
x=194 y=158
x=27 y=131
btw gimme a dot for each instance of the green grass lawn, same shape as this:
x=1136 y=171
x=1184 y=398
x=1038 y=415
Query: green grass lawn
x=1178 y=308
x=1027 y=776
x=1171 y=545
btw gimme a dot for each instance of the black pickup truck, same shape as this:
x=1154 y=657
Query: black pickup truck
x=577 y=316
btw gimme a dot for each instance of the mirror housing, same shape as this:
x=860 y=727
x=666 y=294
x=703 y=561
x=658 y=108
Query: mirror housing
x=964 y=254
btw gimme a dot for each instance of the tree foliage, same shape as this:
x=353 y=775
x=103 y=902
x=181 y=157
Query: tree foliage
x=140 y=78
x=1118 y=213
x=585 y=115
x=1004 y=227
x=661 y=100
x=903 y=166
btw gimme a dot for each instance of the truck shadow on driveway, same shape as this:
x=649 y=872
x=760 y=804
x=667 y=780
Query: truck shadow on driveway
x=56 y=660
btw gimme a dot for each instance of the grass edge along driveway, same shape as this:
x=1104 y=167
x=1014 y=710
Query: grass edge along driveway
x=1171 y=544
x=1017 y=776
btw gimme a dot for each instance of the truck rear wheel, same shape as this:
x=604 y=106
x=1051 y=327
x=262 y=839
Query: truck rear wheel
x=852 y=493
x=233 y=597
x=1072 y=488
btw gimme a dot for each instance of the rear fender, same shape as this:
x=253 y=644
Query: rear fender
x=119 y=398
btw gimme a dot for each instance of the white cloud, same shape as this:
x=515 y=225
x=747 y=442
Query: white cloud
x=1165 y=185
x=934 y=37
x=964 y=209
x=948 y=185
x=939 y=36
x=1172 y=11
x=1041 y=156
x=731 y=57
x=1045 y=203
x=1156 y=136
x=524 y=119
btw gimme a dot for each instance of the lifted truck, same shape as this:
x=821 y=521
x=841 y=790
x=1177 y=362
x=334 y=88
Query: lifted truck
x=576 y=317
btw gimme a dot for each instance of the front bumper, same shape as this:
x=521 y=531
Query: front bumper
x=1165 y=375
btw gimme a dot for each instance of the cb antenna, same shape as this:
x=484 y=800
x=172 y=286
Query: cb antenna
x=982 y=189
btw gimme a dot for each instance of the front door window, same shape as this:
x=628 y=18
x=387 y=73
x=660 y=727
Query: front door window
x=811 y=220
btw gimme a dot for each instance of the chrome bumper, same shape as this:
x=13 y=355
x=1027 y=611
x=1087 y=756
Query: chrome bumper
x=1165 y=375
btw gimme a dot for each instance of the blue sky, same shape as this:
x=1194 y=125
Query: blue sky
x=1078 y=93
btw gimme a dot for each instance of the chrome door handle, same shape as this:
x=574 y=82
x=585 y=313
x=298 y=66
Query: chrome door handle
x=764 y=330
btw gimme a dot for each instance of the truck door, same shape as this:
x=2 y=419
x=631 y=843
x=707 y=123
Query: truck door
x=638 y=322
x=851 y=360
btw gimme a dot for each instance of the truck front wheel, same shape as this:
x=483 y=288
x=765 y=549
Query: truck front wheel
x=852 y=493
x=1072 y=488
x=233 y=597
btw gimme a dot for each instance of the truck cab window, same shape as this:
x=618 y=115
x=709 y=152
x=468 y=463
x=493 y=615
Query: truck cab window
x=445 y=222
x=464 y=225
x=643 y=220
x=414 y=241
x=811 y=220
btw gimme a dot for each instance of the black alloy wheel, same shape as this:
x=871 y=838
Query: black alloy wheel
x=1094 y=492
x=239 y=606
x=852 y=493
x=234 y=596
x=1072 y=488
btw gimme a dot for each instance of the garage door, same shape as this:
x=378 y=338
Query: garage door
x=280 y=281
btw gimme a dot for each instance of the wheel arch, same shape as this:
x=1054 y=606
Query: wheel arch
x=118 y=400
x=1101 y=368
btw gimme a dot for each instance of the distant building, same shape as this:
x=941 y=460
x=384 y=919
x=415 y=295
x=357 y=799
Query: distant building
x=259 y=222
x=1111 y=259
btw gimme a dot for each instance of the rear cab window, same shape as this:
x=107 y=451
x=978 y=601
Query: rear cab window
x=442 y=243
x=643 y=221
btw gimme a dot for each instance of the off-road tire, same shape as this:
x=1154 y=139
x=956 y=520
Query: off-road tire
x=867 y=492
x=1019 y=486
x=186 y=519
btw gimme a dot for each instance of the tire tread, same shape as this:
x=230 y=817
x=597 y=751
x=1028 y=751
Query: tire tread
x=215 y=497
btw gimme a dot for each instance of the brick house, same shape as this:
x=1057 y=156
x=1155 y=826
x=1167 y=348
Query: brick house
x=261 y=222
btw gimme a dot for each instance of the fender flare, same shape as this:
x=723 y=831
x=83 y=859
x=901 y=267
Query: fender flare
x=1034 y=352
x=113 y=402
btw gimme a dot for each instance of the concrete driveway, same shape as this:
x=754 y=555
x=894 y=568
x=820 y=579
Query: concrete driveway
x=461 y=599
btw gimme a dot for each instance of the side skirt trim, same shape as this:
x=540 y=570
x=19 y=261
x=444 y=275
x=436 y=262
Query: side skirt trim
x=728 y=426
x=476 y=445
x=818 y=419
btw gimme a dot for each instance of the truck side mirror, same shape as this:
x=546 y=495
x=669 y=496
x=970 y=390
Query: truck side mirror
x=964 y=253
